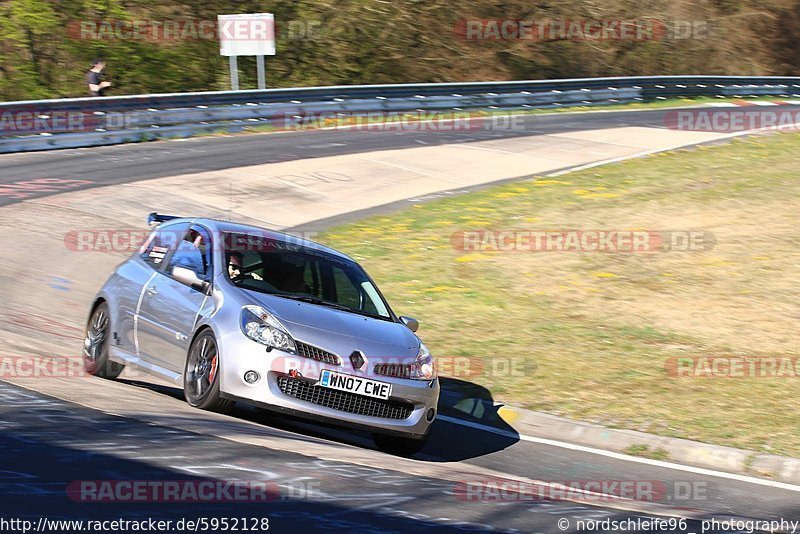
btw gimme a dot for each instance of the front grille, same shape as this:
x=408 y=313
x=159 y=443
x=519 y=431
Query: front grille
x=315 y=353
x=396 y=370
x=342 y=400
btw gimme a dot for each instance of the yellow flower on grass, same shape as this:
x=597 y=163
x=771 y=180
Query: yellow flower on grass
x=371 y=231
x=604 y=275
x=603 y=195
x=451 y=289
x=519 y=189
x=470 y=257
x=718 y=262
x=478 y=209
x=542 y=183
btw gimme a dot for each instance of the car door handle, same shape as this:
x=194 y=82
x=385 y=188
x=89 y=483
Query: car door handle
x=151 y=291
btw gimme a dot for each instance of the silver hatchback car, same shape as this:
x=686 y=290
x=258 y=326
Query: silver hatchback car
x=236 y=313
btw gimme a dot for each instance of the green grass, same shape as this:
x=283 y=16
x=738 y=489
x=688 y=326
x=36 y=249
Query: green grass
x=595 y=332
x=644 y=451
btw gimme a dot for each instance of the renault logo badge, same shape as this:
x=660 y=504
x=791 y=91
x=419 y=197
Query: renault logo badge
x=357 y=359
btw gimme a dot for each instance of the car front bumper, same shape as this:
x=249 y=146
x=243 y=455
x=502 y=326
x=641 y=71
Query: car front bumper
x=240 y=355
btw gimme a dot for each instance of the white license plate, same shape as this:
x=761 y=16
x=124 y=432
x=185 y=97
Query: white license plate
x=355 y=384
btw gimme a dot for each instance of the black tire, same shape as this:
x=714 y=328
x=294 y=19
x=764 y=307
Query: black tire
x=201 y=376
x=95 y=345
x=399 y=446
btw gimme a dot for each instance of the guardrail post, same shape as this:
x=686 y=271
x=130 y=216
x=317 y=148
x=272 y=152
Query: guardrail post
x=262 y=80
x=234 y=73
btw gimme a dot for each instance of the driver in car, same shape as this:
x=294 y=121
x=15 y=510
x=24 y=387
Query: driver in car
x=235 y=267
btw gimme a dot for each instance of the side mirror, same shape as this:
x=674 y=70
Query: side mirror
x=189 y=278
x=410 y=322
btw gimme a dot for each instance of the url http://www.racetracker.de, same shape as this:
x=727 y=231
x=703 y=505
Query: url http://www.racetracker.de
x=675 y=524
x=198 y=524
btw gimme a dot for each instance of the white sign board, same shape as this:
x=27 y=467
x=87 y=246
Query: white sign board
x=247 y=34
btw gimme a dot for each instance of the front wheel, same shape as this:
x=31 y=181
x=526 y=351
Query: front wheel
x=201 y=376
x=399 y=446
x=95 y=345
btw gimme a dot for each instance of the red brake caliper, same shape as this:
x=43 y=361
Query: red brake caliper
x=213 y=371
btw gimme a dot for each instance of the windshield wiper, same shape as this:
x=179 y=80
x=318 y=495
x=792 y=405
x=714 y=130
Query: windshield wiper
x=322 y=302
x=315 y=300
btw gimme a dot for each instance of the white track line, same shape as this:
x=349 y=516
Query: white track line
x=730 y=135
x=625 y=457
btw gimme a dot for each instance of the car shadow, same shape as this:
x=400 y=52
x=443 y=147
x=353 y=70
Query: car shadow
x=100 y=467
x=469 y=423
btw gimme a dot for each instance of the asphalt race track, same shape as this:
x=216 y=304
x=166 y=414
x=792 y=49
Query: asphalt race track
x=102 y=166
x=56 y=435
x=89 y=445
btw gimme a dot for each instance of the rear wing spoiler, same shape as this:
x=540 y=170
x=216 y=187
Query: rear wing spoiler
x=158 y=218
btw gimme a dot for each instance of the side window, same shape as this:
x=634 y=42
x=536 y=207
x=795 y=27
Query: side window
x=161 y=241
x=194 y=252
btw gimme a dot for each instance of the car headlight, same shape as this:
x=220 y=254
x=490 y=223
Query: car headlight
x=423 y=367
x=260 y=326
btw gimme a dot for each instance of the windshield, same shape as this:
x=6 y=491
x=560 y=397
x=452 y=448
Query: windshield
x=293 y=271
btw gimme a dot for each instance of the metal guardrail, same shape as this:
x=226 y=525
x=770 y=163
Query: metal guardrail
x=82 y=122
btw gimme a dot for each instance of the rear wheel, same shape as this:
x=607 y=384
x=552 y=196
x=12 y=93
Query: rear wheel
x=201 y=376
x=95 y=345
x=399 y=446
